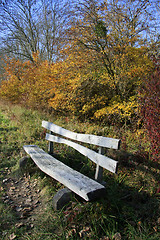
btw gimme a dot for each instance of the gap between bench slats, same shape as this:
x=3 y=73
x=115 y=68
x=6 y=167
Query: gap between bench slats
x=87 y=138
x=97 y=158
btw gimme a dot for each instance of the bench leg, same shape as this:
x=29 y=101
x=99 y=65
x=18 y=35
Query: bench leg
x=23 y=161
x=62 y=198
x=99 y=174
x=50 y=146
x=99 y=169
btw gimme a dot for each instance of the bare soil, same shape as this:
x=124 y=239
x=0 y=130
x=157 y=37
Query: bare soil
x=24 y=197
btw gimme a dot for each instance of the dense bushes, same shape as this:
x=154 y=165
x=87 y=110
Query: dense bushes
x=27 y=83
x=150 y=110
x=69 y=88
x=80 y=85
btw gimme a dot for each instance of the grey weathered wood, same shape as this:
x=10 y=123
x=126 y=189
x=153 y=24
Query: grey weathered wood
x=99 y=169
x=97 y=158
x=87 y=138
x=62 y=198
x=75 y=181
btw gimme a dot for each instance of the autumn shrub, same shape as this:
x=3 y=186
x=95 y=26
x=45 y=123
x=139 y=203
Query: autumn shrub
x=130 y=69
x=150 y=110
x=80 y=85
x=11 y=87
x=87 y=90
x=27 y=83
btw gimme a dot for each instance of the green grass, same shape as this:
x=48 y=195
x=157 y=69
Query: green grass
x=130 y=207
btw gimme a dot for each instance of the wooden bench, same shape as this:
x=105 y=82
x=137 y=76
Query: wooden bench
x=80 y=184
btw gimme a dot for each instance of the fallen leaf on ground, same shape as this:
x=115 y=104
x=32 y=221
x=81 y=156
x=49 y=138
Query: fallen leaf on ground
x=12 y=236
x=19 y=225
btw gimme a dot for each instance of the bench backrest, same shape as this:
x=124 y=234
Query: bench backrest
x=100 y=141
x=86 y=138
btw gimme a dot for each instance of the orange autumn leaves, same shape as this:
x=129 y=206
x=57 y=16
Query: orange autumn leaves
x=78 y=85
x=30 y=84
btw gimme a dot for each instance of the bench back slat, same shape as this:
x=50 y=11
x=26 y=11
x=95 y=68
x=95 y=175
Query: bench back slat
x=86 y=138
x=97 y=158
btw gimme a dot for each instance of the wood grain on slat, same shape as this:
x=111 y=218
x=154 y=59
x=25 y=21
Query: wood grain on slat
x=75 y=181
x=87 y=138
x=97 y=158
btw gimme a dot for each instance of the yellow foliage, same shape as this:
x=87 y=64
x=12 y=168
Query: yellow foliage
x=124 y=110
x=28 y=83
x=10 y=90
x=80 y=84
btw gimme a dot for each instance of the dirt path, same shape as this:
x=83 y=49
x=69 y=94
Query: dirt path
x=24 y=198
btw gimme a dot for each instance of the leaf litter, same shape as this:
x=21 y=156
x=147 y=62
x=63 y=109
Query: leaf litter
x=24 y=198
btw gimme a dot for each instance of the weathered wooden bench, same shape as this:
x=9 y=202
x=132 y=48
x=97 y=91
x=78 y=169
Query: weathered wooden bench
x=80 y=184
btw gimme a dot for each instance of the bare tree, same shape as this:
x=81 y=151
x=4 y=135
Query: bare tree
x=29 y=26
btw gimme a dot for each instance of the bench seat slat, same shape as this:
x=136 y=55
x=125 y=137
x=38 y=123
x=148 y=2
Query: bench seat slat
x=87 y=138
x=75 y=181
x=97 y=158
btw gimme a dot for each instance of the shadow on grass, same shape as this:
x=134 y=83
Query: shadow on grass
x=125 y=209
x=131 y=206
x=139 y=162
x=8 y=129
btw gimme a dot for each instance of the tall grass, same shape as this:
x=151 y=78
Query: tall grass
x=129 y=210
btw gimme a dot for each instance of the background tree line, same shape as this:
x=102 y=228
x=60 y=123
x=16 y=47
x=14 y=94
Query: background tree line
x=89 y=59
